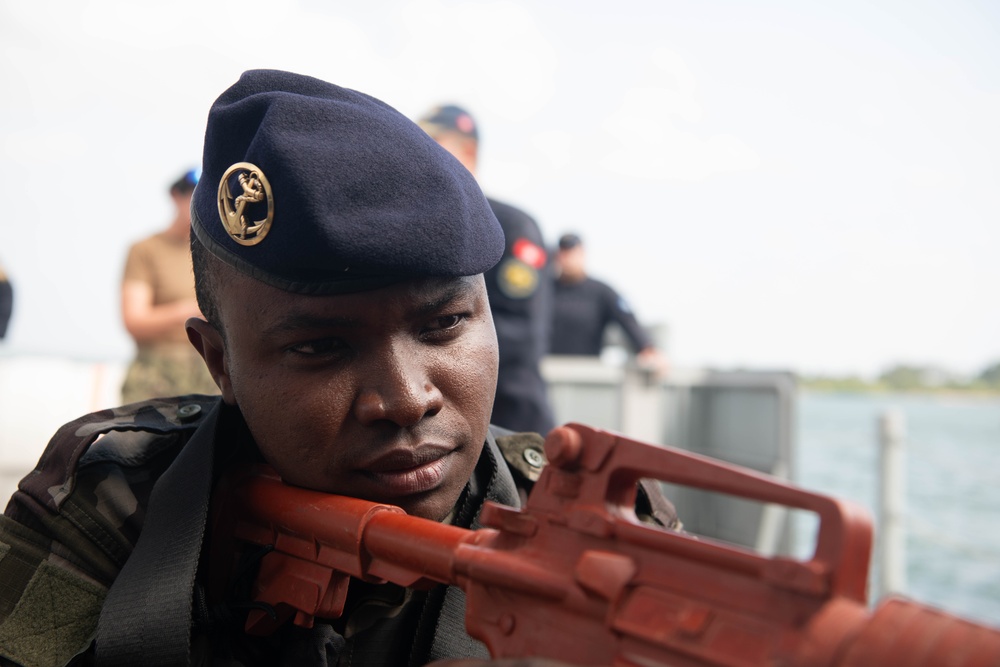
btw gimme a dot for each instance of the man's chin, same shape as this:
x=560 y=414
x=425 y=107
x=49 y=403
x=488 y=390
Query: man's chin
x=433 y=507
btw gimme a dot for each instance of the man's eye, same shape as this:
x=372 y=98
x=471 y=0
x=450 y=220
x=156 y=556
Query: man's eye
x=317 y=347
x=446 y=322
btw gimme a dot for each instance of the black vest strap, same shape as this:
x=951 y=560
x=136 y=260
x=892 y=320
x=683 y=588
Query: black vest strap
x=146 y=619
x=450 y=639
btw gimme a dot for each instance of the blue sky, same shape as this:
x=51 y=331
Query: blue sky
x=803 y=185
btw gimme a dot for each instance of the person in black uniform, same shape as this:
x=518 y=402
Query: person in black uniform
x=584 y=307
x=519 y=289
x=6 y=302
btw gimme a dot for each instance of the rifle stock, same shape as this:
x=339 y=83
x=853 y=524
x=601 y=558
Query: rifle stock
x=575 y=576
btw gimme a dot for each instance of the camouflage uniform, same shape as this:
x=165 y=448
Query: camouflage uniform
x=77 y=518
x=165 y=371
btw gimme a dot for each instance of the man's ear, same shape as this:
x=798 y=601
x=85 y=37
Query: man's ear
x=212 y=348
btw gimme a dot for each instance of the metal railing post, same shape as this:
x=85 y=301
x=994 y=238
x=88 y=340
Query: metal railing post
x=891 y=537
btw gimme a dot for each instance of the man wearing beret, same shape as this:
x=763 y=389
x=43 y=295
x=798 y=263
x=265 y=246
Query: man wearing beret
x=338 y=255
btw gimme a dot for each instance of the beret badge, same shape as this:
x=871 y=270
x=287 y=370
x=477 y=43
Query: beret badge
x=247 y=215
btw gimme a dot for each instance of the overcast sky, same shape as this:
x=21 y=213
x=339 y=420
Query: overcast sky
x=801 y=185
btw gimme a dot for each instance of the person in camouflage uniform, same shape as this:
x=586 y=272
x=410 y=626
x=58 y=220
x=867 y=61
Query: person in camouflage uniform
x=157 y=299
x=347 y=328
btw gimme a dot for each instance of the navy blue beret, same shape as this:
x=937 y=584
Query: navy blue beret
x=317 y=189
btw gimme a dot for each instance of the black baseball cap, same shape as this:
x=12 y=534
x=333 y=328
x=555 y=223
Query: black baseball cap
x=569 y=241
x=449 y=118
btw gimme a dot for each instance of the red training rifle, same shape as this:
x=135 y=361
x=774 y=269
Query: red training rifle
x=575 y=576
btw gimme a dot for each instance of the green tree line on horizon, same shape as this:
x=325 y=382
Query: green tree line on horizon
x=909 y=377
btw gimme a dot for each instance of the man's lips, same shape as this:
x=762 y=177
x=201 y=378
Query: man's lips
x=405 y=458
x=404 y=472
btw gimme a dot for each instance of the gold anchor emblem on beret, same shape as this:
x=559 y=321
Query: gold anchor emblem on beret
x=234 y=210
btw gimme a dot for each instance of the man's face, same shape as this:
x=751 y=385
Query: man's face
x=461 y=147
x=182 y=202
x=383 y=395
x=572 y=263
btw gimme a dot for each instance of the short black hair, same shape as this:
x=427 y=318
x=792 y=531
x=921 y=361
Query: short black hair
x=206 y=282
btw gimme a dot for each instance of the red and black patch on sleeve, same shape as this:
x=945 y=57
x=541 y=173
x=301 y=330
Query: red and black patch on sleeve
x=529 y=253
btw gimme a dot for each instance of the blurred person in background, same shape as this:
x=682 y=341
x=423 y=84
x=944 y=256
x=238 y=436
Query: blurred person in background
x=519 y=288
x=584 y=307
x=6 y=302
x=157 y=299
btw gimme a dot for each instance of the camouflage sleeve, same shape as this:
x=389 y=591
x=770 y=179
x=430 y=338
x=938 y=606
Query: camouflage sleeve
x=49 y=608
x=73 y=522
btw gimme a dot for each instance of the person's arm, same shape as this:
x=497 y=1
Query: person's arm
x=647 y=354
x=148 y=322
x=619 y=312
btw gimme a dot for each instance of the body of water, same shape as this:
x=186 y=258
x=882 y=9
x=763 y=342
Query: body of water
x=952 y=456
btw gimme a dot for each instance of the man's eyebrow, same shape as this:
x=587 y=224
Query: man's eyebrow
x=445 y=296
x=439 y=299
x=304 y=321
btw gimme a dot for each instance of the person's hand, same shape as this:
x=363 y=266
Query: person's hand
x=654 y=361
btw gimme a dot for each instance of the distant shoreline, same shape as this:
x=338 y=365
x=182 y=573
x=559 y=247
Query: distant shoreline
x=857 y=386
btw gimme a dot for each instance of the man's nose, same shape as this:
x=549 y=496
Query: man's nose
x=398 y=389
